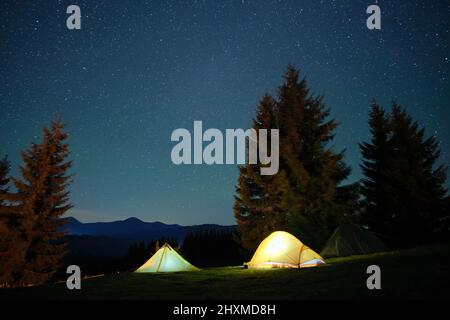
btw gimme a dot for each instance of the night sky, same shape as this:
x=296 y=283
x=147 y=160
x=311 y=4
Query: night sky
x=137 y=70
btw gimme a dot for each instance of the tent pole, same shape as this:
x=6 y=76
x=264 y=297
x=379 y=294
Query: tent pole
x=162 y=257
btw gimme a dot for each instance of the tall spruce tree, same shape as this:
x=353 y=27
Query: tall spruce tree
x=4 y=178
x=9 y=255
x=257 y=201
x=5 y=227
x=376 y=157
x=41 y=200
x=12 y=242
x=403 y=185
x=306 y=196
x=312 y=172
x=417 y=182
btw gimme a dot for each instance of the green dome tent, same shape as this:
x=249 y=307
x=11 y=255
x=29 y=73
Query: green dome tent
x=350 y=239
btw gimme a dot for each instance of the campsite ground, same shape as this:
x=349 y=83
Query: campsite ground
x=410 y=274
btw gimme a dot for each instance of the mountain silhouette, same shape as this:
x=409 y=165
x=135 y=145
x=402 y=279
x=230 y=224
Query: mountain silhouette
x=112 y=239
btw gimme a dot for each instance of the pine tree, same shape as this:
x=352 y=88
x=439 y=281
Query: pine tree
x=5 y=225
x=4 y=179
x=403 y=186
x=312 y=172
x=306 y=196
x=11 y=252
x=257 y=201
x=42 y=199
x=417 y=182
x=376 y=157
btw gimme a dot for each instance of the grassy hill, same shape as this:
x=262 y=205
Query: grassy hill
x=409 y=274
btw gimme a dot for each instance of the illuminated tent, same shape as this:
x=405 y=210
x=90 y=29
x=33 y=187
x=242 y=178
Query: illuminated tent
x=350 y=239
x=166 y=259
x=283 y=250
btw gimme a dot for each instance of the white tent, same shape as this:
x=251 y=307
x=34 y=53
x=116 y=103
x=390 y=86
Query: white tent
x=166 y=259
x=282 y=250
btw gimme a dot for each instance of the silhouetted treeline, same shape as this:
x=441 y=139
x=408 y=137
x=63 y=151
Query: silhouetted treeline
x=30 y=217
x=106 y=261
x=402 y=196
x=211 y=249
x=403 y=189
x=201 y=248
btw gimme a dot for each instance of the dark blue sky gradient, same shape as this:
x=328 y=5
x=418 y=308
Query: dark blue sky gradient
x=137 y=70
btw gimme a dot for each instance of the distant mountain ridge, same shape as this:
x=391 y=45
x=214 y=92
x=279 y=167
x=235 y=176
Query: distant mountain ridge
x=136 y=229
x=112 y=239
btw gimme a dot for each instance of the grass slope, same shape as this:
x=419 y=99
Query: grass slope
x=410 y=274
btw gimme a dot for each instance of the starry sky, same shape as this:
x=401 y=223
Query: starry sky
x=137 y=70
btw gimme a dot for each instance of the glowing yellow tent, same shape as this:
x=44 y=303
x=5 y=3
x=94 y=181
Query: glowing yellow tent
x=283 y=250
x=166 y=259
